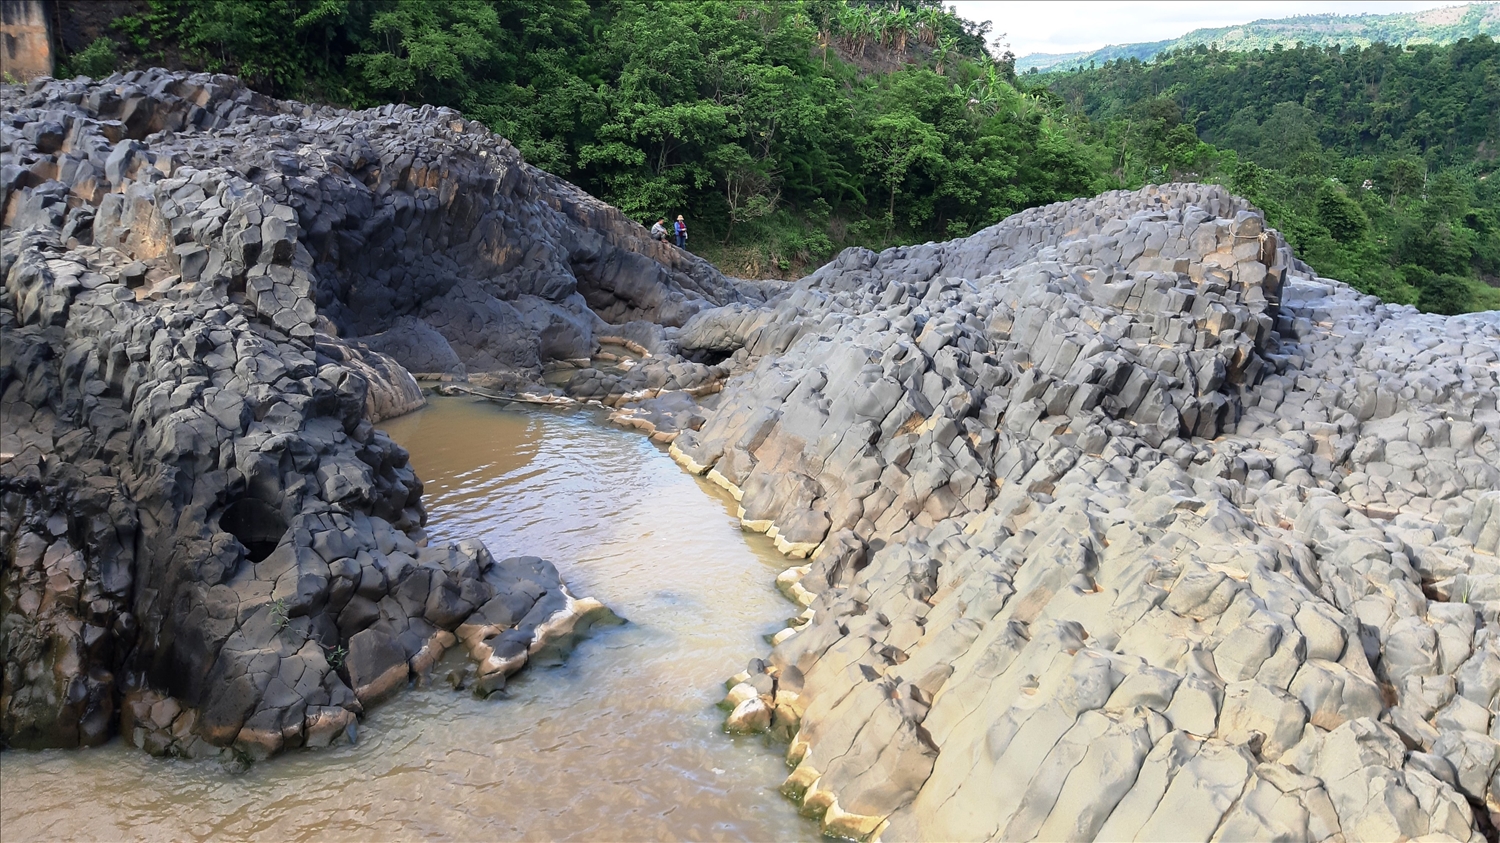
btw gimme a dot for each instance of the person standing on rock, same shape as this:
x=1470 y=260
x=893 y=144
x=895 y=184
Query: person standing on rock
x=659 y=230
x=679 y=229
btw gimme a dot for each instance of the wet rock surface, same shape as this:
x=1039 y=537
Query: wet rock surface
x=1119 y=524
x=207 y=545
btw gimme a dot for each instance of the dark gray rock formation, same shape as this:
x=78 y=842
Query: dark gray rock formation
x=207 y=545
x=1120 y=524
x=418 y=346
x=409 y=224
x=1116 y=521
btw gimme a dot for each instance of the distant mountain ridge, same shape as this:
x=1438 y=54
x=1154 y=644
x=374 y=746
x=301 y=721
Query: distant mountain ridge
x=1433 y=26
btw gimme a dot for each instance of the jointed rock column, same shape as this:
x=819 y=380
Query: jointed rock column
x=1120 y=524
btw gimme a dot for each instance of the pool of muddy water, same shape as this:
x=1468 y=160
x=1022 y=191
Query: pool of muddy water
x=623 y=742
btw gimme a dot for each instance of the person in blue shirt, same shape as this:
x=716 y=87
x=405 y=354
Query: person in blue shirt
x=679 y=230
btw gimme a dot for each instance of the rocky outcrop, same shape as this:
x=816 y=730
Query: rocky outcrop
x=412 y=221
x=1113 y=521
x=207 y=545
x=1118 y=524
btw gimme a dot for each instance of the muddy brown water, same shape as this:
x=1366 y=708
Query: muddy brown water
x=622 y=742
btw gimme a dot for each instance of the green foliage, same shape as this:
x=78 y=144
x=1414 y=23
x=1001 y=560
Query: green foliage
x=279 y=616
x=1342 y=216
x=415 y=48
x=787 y=129
x=793 y=126
x=1439 y=293
x=1432 y=245
x=284 y=47
x=895 y=145
x=1438 y=102
x=95 y=61
x=1365 y=159
x=1437 y=26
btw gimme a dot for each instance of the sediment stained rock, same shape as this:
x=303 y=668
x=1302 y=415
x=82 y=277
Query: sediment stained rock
x=1120 y=524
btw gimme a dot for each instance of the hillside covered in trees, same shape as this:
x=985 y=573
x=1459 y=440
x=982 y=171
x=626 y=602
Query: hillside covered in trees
x=1378 y=163
x=1430 y=26
x=781 y=130
x=784 y=130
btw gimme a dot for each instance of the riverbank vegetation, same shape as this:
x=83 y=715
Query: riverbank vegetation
x=785 y=130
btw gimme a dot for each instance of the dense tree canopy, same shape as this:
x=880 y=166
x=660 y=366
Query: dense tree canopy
x=1377 y=162
x=1379 y=100
x=785 y=129
x=789 y=128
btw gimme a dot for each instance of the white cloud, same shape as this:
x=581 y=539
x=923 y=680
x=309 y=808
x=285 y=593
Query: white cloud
x=1033 y=26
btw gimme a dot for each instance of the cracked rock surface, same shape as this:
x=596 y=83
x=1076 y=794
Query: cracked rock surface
x=1113 y=521
x=209 y=298
x=1119 y=524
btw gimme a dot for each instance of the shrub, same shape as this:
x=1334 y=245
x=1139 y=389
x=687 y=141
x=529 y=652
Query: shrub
x=1447 y=294
x=95 y=61
x=1342 y=216
x=1439 y=293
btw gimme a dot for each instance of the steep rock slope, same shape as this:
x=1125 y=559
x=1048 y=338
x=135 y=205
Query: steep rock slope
x=206 y=543
x=1122 y=525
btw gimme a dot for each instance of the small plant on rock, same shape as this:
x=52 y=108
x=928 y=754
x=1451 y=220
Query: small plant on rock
x=279 y=617
x=336 y=656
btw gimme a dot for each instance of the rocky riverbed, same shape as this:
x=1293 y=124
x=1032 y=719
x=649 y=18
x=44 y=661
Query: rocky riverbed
x=1117 y=521
x=621 y=741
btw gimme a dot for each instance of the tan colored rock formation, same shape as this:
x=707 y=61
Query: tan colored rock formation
x=1128 y=527
x=25 y=40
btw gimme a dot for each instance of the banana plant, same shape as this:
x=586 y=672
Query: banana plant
x=901 y=23
x=942 y=54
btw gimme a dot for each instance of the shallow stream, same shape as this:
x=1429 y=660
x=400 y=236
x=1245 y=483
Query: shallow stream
x=623 y=742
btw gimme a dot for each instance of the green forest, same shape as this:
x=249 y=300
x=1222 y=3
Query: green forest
x=1430 y=26
x=1378 y=163
x=785 y=130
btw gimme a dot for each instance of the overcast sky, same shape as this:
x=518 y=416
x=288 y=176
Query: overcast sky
x=1033 y=26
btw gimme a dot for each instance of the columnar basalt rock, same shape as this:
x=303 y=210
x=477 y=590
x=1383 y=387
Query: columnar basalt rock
x=1119 y=524
x=207 y=544
x=1113 y=521
x=398 y=219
